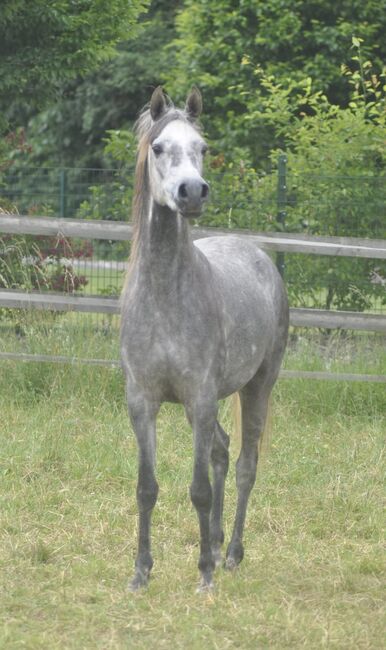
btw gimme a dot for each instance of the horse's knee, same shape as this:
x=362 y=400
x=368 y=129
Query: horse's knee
x=201 y=495
x=147 y=493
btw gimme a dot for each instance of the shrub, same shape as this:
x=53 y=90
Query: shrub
x=41 y=263
x=336 y=179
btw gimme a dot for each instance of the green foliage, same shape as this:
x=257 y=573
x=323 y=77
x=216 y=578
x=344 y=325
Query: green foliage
x=236 y=199
x=40 y=263
x=275 y=76
x=121 y=146
x=71 y=131
x=290 y=40
x=336 y=183
x=14 y=271
x=112 y=201
x=42 y=44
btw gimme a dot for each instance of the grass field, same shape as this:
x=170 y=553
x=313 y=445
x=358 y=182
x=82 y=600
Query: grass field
x=314 y=571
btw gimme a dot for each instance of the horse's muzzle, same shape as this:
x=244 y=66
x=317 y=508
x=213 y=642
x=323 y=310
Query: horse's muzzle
x=192 y=194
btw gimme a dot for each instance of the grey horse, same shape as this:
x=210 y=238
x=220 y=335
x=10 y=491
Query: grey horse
x=200 y=321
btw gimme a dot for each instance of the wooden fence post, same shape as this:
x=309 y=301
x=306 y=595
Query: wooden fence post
x=281 y=205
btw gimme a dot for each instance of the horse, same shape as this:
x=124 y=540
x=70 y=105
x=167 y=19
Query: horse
x=200 y=320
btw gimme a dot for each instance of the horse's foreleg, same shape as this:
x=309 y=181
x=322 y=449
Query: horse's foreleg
x=254 y=405
x=220 y=463
x=203 y=418
x=143 y=415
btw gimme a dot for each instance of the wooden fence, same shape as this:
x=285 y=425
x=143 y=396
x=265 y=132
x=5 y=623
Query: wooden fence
x=121 y=231
x=299 y=317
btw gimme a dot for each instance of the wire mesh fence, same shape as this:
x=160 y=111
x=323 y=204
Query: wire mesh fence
x=308 y=204
x=67 y=192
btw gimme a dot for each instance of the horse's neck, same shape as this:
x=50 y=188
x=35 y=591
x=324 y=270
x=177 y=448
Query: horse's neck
x=166 y=253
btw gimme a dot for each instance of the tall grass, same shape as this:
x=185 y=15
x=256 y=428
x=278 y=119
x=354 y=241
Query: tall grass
x=314 y=566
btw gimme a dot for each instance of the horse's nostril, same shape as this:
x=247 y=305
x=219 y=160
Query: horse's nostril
x=204 y=191
x=182 y=191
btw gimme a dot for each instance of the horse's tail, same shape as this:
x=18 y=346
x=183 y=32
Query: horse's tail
x=265 y=436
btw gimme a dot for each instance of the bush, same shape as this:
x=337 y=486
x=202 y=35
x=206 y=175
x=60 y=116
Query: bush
x=336 y=180
x=41 y=263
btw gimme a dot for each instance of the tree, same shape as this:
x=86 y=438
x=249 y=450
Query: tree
x=71 y=131
x=45 y=44
x=291 y=40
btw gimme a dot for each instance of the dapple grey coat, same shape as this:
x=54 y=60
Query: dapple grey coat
x=200 y=321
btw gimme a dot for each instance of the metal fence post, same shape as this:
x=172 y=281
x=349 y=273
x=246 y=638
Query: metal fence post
x=281 y=205
x=63 y=193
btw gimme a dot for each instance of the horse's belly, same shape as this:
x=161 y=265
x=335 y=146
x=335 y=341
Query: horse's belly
x=171 y=370
x=241 y=365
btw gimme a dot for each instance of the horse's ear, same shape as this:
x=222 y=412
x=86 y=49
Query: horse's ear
x=193 y=105
x=157 y=104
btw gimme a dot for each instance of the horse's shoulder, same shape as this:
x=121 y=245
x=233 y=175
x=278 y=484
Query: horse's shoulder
x=232 y=250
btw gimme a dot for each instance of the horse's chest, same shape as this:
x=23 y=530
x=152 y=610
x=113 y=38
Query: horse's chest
x=171 y=349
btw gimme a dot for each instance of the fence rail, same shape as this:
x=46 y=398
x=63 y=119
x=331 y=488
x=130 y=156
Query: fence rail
x=115 y=363
x=122 y=231
x=299 y=317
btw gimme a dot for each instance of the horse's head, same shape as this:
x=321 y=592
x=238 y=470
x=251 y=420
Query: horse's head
x=175 y=154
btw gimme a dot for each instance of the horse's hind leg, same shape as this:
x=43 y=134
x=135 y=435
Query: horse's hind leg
x=254 y=405
x=220 y=463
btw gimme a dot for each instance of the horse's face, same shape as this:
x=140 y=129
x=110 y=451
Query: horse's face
x=175 y=160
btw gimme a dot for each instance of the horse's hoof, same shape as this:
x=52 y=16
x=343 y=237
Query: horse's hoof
x=230 y=564
x=135 y=586
x=139 y=581
x=205 y=587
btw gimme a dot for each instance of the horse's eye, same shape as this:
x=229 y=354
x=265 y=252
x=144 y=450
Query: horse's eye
x=157 y=149
x=204 y=149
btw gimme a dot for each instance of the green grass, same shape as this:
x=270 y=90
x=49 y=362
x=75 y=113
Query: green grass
x=67 y=334
x=314 y=567
x=87 y=335
x=105 y=282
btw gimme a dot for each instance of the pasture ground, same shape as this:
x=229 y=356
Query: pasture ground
x=314 y=570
